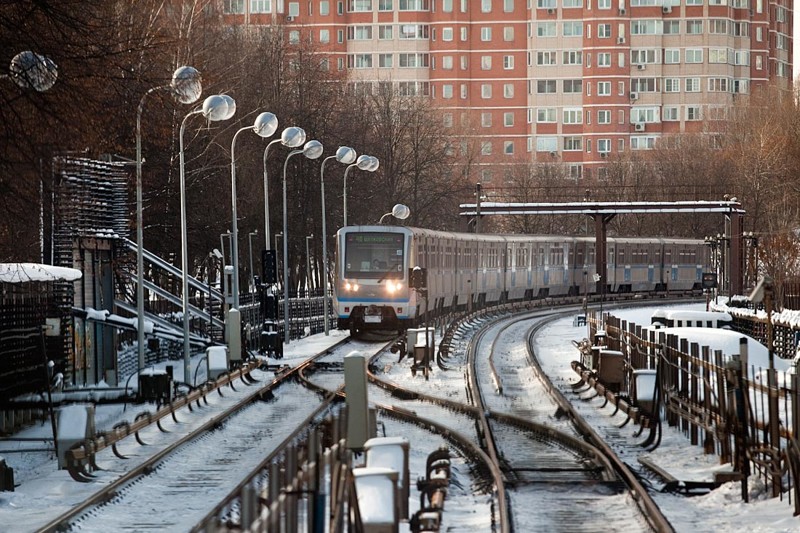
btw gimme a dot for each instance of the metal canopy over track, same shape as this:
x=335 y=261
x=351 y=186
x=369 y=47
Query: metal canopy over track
x=604 y=212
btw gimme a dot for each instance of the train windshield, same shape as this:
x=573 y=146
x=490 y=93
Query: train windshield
x=374 y=255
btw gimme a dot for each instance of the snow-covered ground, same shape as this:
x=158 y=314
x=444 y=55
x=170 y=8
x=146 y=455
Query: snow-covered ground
x=43 y=489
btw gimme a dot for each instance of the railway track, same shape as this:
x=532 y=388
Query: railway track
x=174 y=486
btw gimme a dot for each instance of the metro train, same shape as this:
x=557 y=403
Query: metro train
x=373 y=269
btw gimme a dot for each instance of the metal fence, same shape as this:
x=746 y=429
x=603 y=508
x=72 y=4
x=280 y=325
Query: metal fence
x=746 y=415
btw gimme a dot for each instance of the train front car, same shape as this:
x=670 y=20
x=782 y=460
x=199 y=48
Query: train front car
x=371 y=288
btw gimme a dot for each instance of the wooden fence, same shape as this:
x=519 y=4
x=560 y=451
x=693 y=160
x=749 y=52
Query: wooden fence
x=744 y=414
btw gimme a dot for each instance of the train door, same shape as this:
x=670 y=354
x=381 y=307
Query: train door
x=611 y=271
x=545 y=262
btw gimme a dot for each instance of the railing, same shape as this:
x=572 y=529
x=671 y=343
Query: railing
x=746 y=415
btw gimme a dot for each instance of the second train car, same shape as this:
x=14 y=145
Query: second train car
x=373 y=267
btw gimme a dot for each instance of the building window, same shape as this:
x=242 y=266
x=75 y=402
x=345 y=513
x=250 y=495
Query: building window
x=508 y=90
x=672 y=56
x=260 y=6
x=508 y=119
x=463 y=91
x=385 y=33
x=672 y=85
x=486 y=147
x=603 y=88
x=670 y=114
x=447 y=62
x=647 y=115
x=413 y=5
x=324 y=36
x=385 y=60
x=508 y=62
x=573 y=143
x=604 y=116
x=486 y=34
x=486 y=6
x=508 y=6
x=486 y=90
x=486 y=120
x=447 y=118
x=603 y=4
x=464 y=33
x=603 y=59
x=447 y=34
x=324 y=8
x=545 y=29
x=692 y=112
x=604 y=31
x=572 y=86
x=413 y=60
x=546 y=58
x=486 y=62
x=385 y=5
x=603 y=145
x=572 y=115
x=359 y=33
x=572 y=57
x=545 y=115
x=233 y=7
x=447 y=91
x=546 y=144
x=508 y=33
x=694 y=55
x=294 y=37
x=546 y=86
x=359 y=5
x=414 y=31
x=692 y=85
x=694 y=27
x=508 y=147
x=572 y=28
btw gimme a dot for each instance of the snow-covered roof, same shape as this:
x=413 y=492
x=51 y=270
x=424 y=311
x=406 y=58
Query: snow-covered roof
x=26 y=272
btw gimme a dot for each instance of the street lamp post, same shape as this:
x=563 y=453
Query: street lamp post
x=364 y=162
x=265 y=125
x=291 y=137
x=308 y=265
x=214 y=108
x=312 y=150
x=399 y=211
x=30 y=70
x=345 y=155
x=252 y=283
x=186 y=87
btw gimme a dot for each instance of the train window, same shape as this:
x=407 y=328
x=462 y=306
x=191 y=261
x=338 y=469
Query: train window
x=374 y=255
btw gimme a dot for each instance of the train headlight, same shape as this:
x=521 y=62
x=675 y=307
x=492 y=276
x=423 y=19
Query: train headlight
x=393 y=287
x=351 y=286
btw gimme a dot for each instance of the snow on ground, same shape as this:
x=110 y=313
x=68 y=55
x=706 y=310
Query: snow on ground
x=42 y=486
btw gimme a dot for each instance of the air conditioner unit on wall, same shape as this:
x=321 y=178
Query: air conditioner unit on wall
x=551 y=11
x=666 y=9
x=622 y=11
x=620 y=40
x=634 y=96
x=639 y=126
x=604 y=155
x=640 y=67
x=290 y=18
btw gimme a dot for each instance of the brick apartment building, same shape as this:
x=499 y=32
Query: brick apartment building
x=562 y=81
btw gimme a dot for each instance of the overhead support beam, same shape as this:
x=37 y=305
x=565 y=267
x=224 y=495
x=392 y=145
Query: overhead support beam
x=604 y=212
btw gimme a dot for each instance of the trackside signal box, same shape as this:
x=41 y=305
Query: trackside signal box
x=709 y=280
x=269 y=266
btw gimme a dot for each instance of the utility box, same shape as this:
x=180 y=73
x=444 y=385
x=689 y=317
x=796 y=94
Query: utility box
x=6 y=477
x=216 y=361
x=75 y=424
x=392 y=452
x=155 y=386
x=376 y=491
x=644 y=389
x=611 y=369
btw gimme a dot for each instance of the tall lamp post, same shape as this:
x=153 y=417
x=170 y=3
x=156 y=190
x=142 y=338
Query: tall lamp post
x=308 y=265
x=364 y=162
x=345 y=155
x=399 y=211
x=265 y=125
x=312 y=150
x=214 y=108
x=186 y=88
x=30 y=70
x=291 y=137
